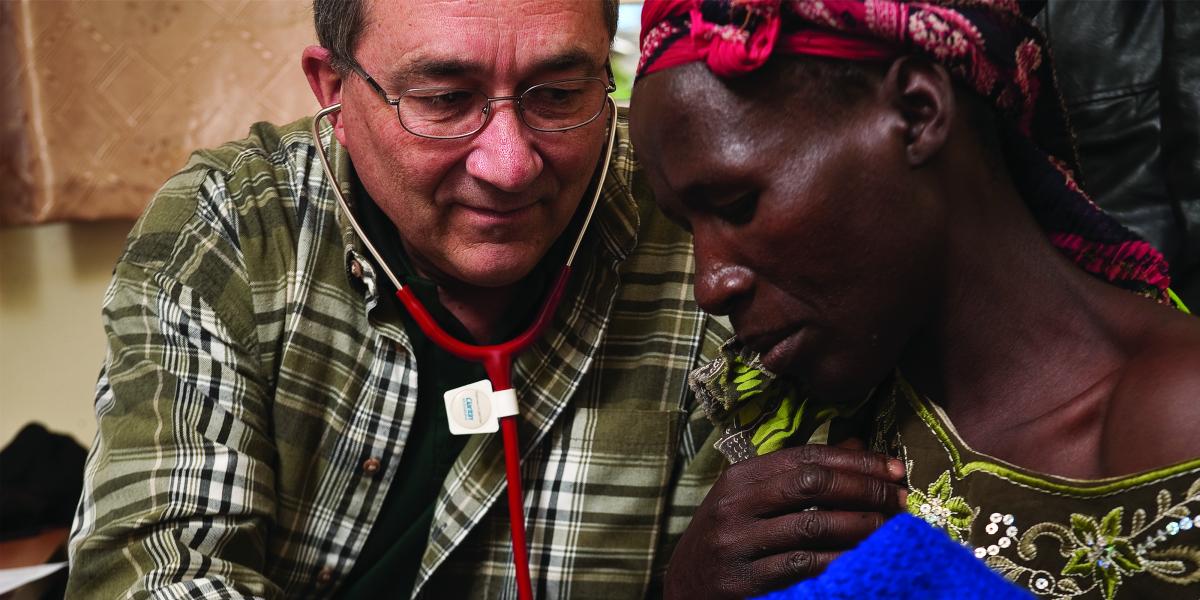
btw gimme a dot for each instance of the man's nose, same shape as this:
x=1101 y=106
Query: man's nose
x=503 y=154
x=720 y=283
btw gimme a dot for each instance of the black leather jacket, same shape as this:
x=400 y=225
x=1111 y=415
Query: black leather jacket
x=1130 y=76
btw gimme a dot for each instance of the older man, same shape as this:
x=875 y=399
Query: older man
x=270 y=419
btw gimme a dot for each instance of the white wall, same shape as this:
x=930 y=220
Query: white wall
x=52 y=279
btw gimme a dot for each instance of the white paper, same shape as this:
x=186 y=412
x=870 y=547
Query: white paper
x=11 y=579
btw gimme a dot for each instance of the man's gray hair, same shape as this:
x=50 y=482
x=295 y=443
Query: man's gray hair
x=338 y=23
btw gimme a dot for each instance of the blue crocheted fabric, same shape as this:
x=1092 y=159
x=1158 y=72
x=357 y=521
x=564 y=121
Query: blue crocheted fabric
x=906 y=558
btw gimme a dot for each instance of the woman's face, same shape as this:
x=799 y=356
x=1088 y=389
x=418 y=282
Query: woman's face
x=810 y=230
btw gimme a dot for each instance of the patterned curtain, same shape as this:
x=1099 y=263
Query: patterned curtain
x=101 y=101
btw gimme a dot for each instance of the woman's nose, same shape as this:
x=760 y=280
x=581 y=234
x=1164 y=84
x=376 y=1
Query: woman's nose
x=720 y=282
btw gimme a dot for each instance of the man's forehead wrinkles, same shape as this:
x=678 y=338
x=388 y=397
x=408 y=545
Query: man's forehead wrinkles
x=416 y=68
x=566 y=59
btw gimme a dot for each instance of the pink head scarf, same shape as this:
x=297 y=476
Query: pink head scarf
x=986 y=45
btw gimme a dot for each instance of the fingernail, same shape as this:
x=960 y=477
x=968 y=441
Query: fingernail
x=903 y=498
x=896 y=468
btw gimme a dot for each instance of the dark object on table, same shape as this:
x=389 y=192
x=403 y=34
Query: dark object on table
x=41 y=476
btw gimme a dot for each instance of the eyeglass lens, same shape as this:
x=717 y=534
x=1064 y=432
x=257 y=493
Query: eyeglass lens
x=552 y=106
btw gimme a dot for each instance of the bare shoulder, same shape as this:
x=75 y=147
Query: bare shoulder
x=1155 y=409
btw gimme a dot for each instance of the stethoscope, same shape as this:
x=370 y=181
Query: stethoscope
x=497 y=359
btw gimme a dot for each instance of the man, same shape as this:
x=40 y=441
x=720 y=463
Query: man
x=881 y=199
x=270 y=419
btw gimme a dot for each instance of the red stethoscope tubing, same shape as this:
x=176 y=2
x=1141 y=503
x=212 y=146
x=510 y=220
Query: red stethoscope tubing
x=497 y=360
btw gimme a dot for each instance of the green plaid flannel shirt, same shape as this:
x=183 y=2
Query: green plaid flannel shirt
x=256 y=398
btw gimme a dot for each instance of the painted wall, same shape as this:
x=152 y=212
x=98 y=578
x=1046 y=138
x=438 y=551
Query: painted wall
x=52 y=280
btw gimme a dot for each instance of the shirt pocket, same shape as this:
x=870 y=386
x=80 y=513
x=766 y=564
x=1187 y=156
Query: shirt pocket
x=607 y=479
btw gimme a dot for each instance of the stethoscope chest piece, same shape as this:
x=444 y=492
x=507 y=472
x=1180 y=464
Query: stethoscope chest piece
x=476 y=408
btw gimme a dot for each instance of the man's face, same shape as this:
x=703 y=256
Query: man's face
x=806 y=227
x=484 y=209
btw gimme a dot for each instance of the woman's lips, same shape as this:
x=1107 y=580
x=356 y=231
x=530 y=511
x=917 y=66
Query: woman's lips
x=777 y=351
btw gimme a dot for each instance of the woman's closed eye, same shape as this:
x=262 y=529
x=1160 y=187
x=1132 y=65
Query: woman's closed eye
x=736 y=209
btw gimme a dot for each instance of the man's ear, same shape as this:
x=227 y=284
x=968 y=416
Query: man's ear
x=326 y=83
x=923 y=93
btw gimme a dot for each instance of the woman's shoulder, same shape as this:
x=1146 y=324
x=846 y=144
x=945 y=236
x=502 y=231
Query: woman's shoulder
x=1155 y=407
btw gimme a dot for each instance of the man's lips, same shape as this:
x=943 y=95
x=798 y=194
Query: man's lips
x=496 y=216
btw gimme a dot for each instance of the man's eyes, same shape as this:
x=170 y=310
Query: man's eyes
x=555 y=94
x=442 y=98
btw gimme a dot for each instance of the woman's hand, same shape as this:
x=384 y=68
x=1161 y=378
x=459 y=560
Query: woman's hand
x=776 y=519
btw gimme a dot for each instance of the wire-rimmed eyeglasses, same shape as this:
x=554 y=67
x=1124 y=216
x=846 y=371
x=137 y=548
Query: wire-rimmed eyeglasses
x=445 y=113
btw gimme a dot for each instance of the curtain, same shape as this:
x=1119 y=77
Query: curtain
x=101 y=101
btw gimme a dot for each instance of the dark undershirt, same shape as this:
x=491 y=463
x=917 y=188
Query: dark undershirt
x=388 y=564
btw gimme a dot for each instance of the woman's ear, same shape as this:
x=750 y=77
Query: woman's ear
x=326 y=83
x=923 y=93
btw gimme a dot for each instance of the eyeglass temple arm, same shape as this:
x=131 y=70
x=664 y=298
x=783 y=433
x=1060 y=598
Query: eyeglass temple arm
x=371 y=82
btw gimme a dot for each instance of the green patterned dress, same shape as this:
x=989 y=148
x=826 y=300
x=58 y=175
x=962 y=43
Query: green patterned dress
x=1136 y=536
x=1128 y=537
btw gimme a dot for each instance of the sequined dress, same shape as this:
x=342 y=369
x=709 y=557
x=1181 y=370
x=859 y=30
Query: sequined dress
x=1136 y=536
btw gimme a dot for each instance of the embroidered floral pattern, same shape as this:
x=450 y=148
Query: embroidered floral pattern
x=1101 y=555
x=1003 y=528
x=1101 y=552
x=939 y=507
x=1120 y=538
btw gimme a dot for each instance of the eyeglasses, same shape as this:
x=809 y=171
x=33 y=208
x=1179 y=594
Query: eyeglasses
x=445 y=113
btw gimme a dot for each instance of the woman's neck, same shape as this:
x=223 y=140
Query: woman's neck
x=1025 y=340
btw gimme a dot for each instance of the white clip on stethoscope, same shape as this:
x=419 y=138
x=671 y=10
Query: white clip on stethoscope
x=475 y=408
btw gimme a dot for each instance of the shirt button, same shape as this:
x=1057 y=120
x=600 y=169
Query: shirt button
x=356 y=268
x=324 y=577
x=370 y=466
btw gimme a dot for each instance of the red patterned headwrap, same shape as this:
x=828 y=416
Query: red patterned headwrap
x=986 y=45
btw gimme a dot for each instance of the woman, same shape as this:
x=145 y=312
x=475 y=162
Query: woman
x=882 y=200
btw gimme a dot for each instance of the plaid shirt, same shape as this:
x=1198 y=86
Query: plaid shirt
x=256 y=398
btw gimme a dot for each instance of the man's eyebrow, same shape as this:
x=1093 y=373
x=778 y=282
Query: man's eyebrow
x=419 y=69
x=569 y=59
x=435 y=68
